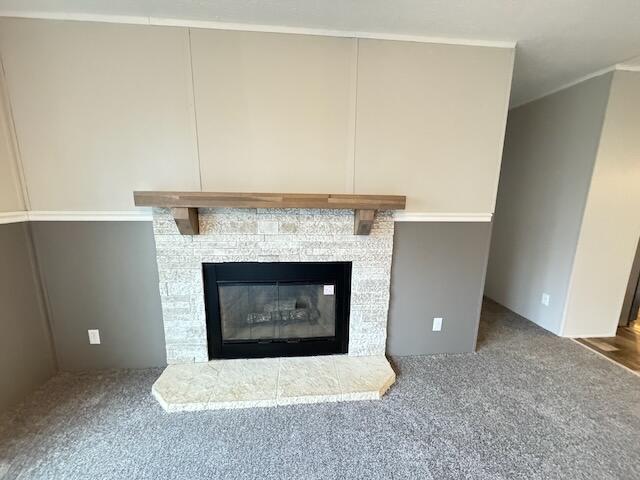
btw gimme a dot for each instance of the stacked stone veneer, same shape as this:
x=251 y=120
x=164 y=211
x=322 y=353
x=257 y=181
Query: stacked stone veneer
x=270 y=235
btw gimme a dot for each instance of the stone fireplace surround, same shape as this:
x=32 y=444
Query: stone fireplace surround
x=270 y=235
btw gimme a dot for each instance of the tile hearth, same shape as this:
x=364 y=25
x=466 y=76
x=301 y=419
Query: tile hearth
x=269 y=382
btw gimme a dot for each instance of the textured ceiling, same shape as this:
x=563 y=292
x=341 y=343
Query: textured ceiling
x=559 y=41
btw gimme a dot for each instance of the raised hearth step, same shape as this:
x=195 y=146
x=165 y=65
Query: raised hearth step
x=270 y=382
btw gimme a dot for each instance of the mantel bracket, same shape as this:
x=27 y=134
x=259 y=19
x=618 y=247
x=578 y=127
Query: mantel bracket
x=187 y=220
x=363 y=221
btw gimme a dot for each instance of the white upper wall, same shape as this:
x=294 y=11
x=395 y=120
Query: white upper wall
x=100 y=110
x=611 y=224
x=430 y=123
x=104 y=109
x=10 y=189
x=274 y=111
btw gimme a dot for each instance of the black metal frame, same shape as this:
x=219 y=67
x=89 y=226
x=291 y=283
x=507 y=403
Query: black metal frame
x=337 y=273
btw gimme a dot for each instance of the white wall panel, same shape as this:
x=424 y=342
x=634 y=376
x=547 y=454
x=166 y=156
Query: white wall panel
x=10 y=189
x=430 y=123
x=104 y=109
x=100 y=110
x=274 y=111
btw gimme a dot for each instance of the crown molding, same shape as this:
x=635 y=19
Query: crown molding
x=584 y=78
x=564 y=86
x=246 y=27
x=80 y=17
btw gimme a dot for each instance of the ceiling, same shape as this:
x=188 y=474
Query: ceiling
x=558 y=41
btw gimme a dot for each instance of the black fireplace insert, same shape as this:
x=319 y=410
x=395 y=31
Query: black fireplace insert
x=277 y=309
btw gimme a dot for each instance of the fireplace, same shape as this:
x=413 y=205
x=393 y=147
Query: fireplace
x=272 y=236
x=276 y=309
x=271 y=282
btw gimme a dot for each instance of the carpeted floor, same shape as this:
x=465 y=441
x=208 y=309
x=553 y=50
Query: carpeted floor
x=528 y=405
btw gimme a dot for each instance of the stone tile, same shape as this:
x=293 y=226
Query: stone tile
x=370 y=298
x=173 y=240
x=288 y=226
x=180 y=275
x=189 y=288
x=247 y=382
x=268 y=382
x=267 y=258
x=370 y=376
x=231 y=235
x=182 y=332
x=186 y=354
x=366 y=348
x=304 y=379
x=267 y=227
x=228 y=211
x=374 y=285
x=186 y=387
x=231 y=225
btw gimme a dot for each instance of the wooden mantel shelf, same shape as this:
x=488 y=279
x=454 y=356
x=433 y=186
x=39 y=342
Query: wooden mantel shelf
x=184 y=205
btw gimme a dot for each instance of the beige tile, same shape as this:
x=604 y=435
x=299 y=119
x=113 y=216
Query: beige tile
x=187 y=386
x=304 y=379
x=267 y=382
x=363 y=378
x=246 y=383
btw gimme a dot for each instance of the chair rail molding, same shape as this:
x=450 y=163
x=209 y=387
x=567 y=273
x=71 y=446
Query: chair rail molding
x=441 y=217
x=145 y=215
x=140 y=215
x=13 y=217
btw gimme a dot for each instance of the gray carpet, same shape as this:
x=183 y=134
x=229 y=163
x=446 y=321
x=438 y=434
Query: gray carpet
x=528 y=405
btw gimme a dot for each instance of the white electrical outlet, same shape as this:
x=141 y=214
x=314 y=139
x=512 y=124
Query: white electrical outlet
x=437 y=324
x=545 y=299
x=94 y=337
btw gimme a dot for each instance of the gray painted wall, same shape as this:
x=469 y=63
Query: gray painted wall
x=26 y=357
x=438 y=271
x=102 y=275
x=550 y=151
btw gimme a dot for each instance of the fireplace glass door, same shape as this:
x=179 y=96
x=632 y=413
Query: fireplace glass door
x=285 y=311
x=276 y=309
